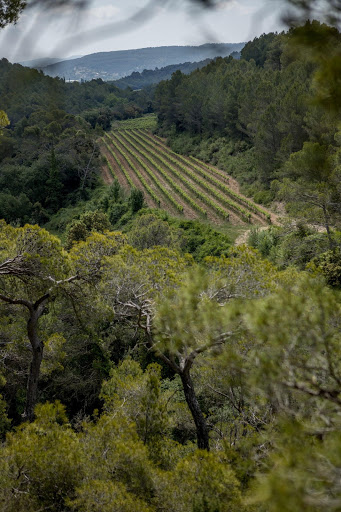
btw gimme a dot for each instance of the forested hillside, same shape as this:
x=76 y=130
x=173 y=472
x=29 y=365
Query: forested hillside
x=248 y=116
x=150 y=360
x=153 y=76
x=48 y=153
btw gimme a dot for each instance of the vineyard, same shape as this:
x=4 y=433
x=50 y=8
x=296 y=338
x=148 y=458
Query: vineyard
x=178 y=184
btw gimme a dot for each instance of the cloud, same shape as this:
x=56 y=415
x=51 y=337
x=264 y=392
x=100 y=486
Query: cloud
x=105 y=12
x=243 y=7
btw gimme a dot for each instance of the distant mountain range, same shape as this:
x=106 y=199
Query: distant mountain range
x=117 y=64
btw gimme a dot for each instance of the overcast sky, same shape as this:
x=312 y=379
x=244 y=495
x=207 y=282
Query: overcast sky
x=104 y=27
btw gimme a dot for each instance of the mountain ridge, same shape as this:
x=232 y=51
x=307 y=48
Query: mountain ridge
x=114 y=65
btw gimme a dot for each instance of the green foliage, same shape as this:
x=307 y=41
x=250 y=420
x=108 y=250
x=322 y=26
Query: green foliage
x=136 y=200
x=182 y=174
x=149 y=77
x=4 y=121
x=138 y=395
x=5 y=422
x=174 y=311
x=41 y=462
x=264 y=240
x=197 y=177
x=193 y=237
x=329 y=264
x=118 y=162
x=48 y=165
x=315 y=193
x=295 y=322
x=49 y=152
x=323 y=43
x=258 y=49
x=10 y=11
x=106 y=496
x=126 y=457
x=129 y=151
x=54 y=184
x=202 y=482
x=146 y=122
x=252 y=352
x=302 y=473
x=290 y=245
x=149 y=231
x=88 y=222
x=101 y=117
x=188 y=318
x=296 y=363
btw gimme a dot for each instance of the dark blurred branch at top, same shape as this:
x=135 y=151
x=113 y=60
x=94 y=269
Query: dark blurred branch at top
x=148 y=10
x=298 y=10
x=301 y=10
x=130 y=23
x=322 y=41
x=10 y=10
x=52 y=4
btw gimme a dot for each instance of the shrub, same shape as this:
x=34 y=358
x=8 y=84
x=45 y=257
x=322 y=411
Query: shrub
x=136 y=200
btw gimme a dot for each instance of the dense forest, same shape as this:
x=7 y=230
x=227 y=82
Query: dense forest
x=148 y=363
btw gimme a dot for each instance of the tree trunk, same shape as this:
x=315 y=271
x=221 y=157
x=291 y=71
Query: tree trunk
x=32 y=384
x=37 y=357
x=194 y=407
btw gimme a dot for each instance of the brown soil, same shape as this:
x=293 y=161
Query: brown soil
x=242 y=239
x=235 y=187
x=164 y=203
x=122 y=179
x=118 y=173
x=106 y=175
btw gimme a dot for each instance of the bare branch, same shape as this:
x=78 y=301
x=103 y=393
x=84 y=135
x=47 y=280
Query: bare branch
x=21 y=302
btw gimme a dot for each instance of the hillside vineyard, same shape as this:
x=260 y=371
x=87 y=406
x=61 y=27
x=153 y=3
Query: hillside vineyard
x=184 y=185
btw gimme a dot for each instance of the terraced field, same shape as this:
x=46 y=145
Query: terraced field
x=178 y=184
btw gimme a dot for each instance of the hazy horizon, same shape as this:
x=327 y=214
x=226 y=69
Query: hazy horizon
x=108 y=26
x=74 y=57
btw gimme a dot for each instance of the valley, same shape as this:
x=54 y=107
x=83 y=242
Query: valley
x=170 y=277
